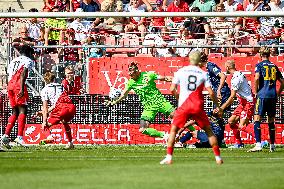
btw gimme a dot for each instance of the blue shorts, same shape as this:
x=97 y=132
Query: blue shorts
x=265 y=105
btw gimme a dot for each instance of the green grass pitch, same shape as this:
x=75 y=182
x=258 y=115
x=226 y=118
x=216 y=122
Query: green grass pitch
x=131 y=167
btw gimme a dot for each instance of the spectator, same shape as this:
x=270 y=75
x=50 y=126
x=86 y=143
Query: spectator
x=50 y=4
x=54 y=30
x=24 y=39
x=90 y=6
x=135 y=23
x=35 y=28
x=204 y=5
x=70 y=56
x=182 y=40
x=281 y=42
x=65 y=6
x=197 y=26
x=117 y=23
x=177 y=6
x=276 y=5
x=81 y=28
x=232 y=6
x=255 y=5
x=267 y=30
x=167 y=2
x=93 y=52
x=144 y=3
x=158 y=22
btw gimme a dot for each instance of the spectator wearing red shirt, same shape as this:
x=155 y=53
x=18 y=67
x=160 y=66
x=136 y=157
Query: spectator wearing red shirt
x=72 y=84
x=178 y=6
x=158 y=22
x=70 y=55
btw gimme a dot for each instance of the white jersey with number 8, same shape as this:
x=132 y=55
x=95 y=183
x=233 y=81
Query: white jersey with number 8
x=190 y=78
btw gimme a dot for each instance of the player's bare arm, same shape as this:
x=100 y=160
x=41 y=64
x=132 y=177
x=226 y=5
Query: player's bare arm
x=230 y=100
x=39 y=113
x=215 y=100
x=22 y=82
x=256 y=82
x=122 y=97
x=174 y=90
x=222 y=82
x=165 y=78
x=44 y=114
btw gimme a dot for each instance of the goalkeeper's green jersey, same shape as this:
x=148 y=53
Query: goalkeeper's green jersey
x=145 y=88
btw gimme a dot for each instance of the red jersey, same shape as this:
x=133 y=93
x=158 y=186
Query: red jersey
x=182 y=7
x=158 y=21
x=74 y=87
x=71 y=54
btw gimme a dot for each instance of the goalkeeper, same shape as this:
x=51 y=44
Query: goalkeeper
x=143 y=84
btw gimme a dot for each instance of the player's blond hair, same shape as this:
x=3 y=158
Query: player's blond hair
x=231 y=64
x=49 y=77
x=195 y=57
x=264 y=52
x=69 y=67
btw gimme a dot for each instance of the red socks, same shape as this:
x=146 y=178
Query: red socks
x=170 y=150
x=216 y=150
x=68 y=132
x=11 y=122
x=237 y=136
x=21 y=124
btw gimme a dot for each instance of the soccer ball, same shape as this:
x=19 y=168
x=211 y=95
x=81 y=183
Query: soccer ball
x=114 y=93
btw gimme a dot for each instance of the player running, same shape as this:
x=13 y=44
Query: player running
x=244 y=112
x=18 y=94
x=266 y=75
x=62 y=109
x=192 y=79
x=143 y=83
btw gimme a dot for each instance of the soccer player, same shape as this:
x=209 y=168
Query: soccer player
x=143 y=83
x=217 y=126
x=244 y=112
x=18 y=94
x=192 y=79
x=71 y=84
x=266 y=76
x=219 y=86
x=62 y=109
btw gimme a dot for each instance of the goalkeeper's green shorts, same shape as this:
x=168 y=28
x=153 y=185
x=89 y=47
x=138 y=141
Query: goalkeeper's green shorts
x=149 y=114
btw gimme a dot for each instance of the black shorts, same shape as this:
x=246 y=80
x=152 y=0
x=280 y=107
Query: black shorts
x=265 y=105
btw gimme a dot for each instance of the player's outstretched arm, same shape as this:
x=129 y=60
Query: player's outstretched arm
x=122 y=97
x=174 y=91
x=165 y=78
x=215 y=100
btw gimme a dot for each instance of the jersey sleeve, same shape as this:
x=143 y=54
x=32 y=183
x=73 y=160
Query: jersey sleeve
x=207 y=82
x=128 y=86
x=212 y=68
x=44 y=95
x=153 y=75
x=176 y=79
x=257 y=69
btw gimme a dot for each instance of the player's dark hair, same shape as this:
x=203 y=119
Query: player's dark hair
x=27 y=50
x=204 y=57
x=49 y=77
x=133 y=65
